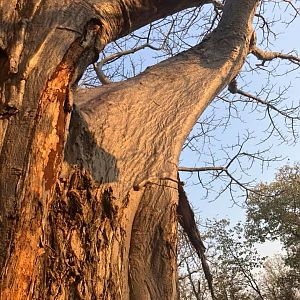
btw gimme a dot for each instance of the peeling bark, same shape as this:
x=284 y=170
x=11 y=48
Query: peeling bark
x=88 y=211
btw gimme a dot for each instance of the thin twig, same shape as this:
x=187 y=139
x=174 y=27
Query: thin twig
x=98 y=67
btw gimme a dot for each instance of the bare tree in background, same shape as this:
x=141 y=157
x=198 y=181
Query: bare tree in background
x=88 y=195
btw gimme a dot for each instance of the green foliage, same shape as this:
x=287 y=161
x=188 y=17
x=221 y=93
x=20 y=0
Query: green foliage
x=235 y=261
x=274 y=213
x=239 y=272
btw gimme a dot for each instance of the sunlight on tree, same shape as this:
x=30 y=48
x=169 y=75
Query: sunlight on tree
x=91 y=135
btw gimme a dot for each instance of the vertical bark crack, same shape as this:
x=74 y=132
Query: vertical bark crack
x=4 y=66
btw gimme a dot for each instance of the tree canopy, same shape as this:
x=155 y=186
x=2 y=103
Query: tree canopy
x=239 y=271
x=273 y=212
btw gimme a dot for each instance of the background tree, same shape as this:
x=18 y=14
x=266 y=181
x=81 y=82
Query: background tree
x=236 y=262
x=233 y=261
x=239 y=272
x=278 y=282
x=88 y=195
x=273 y=213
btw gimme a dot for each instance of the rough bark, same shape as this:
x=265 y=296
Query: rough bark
x=95 y=217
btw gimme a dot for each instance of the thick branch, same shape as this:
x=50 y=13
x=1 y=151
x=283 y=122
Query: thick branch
x=136 y=14
x=269 y=55
x=201 y=169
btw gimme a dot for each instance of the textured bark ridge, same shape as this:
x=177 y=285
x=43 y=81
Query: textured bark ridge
x=88 y=211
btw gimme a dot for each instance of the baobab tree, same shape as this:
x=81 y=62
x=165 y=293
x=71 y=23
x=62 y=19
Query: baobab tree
x=88 y=194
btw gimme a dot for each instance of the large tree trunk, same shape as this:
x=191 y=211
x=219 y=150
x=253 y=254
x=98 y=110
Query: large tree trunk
x=88 y=205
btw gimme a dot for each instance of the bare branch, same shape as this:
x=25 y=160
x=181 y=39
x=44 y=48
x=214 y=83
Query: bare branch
x=232 y=87
x=269 y=55
x=101 y=76
x=228 y=170
x=217 y=4
x=98 y=67
x=201 y=169
x=271 y=105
